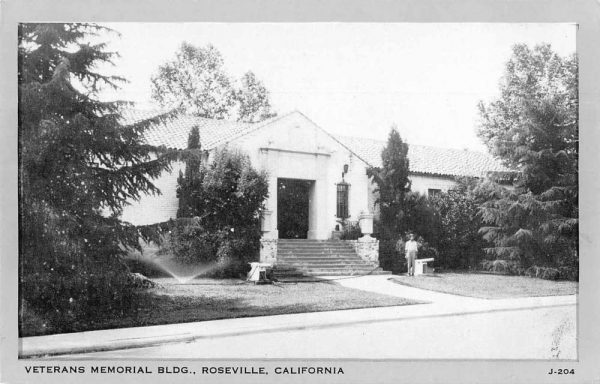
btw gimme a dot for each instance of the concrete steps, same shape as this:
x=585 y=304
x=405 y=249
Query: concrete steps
x=317 y=257
x=297 y=258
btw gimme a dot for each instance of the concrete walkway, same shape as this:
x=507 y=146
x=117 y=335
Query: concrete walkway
x=448 y=303
x=439 y=304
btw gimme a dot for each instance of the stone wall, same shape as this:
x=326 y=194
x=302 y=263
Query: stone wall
x=367 y=248
x=268 y=250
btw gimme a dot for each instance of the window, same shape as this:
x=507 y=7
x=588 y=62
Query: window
x=342 y=200
x=431 y=192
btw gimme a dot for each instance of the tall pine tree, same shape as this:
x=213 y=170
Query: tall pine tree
x=78 y=166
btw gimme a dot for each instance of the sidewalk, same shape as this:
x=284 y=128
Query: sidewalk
x=453 y=303
x=439 y=304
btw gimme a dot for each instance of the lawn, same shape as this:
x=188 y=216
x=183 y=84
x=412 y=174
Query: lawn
x=210 y=299
x=488 y=286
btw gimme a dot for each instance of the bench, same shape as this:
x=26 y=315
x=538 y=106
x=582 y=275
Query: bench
x=421 y=266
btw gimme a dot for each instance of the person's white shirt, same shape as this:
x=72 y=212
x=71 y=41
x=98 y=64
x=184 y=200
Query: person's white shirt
x=411 y=245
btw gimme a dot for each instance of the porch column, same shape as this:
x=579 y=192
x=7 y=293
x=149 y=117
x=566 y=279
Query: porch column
x=312 y=211
x=268 y=161
x=271 y=231
x=318 y=209
x=270 y=234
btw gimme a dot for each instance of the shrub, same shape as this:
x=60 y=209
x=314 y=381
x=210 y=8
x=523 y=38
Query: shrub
x=192 y=243
x=568 y=265
x=390 y=259
x=227 y=252
x=226 y=207
x=513 y=267
x=569 y=273
x=422 y=218
x=509 y=267
x=459 y=224
x=547 y=273
x=350 y=230
x=427 y=251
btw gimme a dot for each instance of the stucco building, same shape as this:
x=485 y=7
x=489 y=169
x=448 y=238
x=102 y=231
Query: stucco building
x=292 y=148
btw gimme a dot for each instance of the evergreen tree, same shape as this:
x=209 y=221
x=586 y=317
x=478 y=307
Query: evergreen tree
x=392 y=185
x=78 y=167
x=189 y=184
x=533 y=128
x=197 y=83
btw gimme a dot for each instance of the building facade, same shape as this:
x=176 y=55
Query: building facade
x=296 y=151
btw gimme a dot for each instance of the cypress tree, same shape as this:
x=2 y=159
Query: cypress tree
x=189 y=184
x=392 y=185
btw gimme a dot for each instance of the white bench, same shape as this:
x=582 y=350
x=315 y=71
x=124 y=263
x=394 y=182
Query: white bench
x=421 y=266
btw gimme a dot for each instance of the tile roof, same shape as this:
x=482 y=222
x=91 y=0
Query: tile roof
x=428 y=160
x=174 y=133
x=422 y=159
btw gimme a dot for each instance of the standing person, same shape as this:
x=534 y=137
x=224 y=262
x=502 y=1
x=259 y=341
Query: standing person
x=411 y=250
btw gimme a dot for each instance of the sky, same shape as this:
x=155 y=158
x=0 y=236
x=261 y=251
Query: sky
x=355 y=79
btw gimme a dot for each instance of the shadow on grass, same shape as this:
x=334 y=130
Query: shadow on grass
x=149 y=309
x=203 y=300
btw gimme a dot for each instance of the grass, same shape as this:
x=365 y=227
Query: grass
x=488 y=286
x=211 y=299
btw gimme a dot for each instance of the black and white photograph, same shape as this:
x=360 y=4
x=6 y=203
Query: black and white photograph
x=282 y=198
